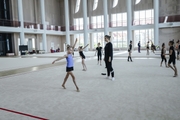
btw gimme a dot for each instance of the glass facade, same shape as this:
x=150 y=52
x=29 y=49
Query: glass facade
x=78 y=24
x=119 y=39
x=97 y=38
x=143 y=36
x=80 y=38
x=143 y=17
x=97 y=22
x=119 y=19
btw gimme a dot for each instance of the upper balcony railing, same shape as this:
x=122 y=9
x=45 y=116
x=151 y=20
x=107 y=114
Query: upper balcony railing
x=173 y=18
x=122 y=23
x=9 y=23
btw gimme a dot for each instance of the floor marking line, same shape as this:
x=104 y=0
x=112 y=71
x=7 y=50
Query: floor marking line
x=24 y=114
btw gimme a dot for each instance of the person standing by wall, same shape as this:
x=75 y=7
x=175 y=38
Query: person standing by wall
x=99 y=53
x=108 y=57
x=139 y=47
x=130 y=51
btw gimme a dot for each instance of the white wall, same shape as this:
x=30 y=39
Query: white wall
x=169 y=7
x=167 y=34
x=53 y=39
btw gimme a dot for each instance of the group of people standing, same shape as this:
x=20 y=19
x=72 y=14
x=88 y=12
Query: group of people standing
x=70 y=63
x=108 y=58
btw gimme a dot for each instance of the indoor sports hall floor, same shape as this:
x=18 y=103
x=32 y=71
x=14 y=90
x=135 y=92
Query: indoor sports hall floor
x=30 y=89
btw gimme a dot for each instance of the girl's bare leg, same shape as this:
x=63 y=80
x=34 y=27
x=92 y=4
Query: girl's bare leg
x=84 y=65
x=175 y=70
x=147 y=51
x=73 y=77
x=65 y=79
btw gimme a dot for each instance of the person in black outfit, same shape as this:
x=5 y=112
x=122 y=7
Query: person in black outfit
x=81 y=48
x=163 y=57
x=108 y=57
x=139 y=47
x=153 y=47
x=147 y=47
x=99 y=53
x=172 y=58
x=130 y=51
x=178 y=49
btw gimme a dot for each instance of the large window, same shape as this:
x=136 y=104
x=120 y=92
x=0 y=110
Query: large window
x=97 y=22
x=97 y=38
x=78 y=24
x=119 y=39
x=80 y=41
x=119 y=19
x=143 y=36
x=4 y=9
x=144 y=17
x=80 y=38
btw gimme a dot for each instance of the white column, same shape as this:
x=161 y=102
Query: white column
x=156 y=22
x=91 y=41
x=20 y=13
x=43 y=20
x=106 y=22
x=66 y=6
x=85 y=23
x=129 y=21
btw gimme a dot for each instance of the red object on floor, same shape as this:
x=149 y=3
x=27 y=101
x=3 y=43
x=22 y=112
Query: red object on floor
x=24 y=114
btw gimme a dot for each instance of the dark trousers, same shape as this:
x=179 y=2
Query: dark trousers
x=139 y=48
x=163 y=58
x=99 y=57
x=109 y=68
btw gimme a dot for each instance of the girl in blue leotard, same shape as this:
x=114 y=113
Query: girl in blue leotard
x=69 y=66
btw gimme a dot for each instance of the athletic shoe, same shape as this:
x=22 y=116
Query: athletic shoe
x=113 y=79
x=108 y=77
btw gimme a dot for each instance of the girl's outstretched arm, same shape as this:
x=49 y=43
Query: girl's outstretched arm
x=85 y=46
x=74 y=44
x=59 y=59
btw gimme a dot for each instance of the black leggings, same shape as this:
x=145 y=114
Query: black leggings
x=109 y=68
x=99 y=57
x=163 y=58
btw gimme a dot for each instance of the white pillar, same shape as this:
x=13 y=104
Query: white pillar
x=129 y=21
x=66 y=6
x=156 y=22
x=106 y=22
x=20 y=13
x=85 y=23
x=91 y=41
x=43 y=20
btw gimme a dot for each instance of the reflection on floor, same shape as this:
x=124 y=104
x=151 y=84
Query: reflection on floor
x=27 y=69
